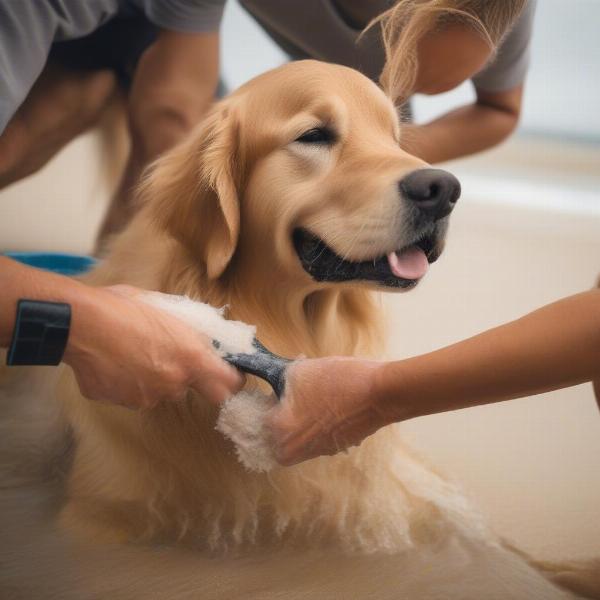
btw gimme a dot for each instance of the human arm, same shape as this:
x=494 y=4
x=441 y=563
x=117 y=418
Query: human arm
x=466 y=130
x=174 y=84
x=454 y=54
x=553 y=347
x=62 y=104
x=120 y=349
x=332 y=403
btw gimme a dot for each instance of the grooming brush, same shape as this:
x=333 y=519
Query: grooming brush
x=262 y=363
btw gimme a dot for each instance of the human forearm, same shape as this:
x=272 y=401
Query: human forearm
x=120 y=349
x=18 y=281
x=466 y=130
x=462 y=132
x=332 y=403
x=174 y=84
x=62 y=104
x=172 y=118
x=89 y=306
x=553 y=347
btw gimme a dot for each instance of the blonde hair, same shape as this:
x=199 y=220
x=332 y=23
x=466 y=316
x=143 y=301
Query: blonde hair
x=405 y=23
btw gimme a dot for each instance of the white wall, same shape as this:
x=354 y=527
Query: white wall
x=563 y=92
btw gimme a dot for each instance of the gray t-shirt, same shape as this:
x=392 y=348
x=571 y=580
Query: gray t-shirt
x=304 y=28
x=315 y=29
x=29 y=27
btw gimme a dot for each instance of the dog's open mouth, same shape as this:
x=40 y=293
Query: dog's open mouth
x=400 y=269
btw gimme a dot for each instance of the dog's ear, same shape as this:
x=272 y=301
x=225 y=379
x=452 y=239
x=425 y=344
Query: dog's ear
x=192 y=191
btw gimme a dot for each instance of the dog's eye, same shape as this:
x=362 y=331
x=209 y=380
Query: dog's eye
x=317 y=135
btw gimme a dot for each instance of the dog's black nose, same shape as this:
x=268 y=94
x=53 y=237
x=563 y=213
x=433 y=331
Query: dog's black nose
x=433 y=191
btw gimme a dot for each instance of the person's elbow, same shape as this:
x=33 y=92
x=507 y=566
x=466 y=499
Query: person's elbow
x=509 y=121
x=504 y=109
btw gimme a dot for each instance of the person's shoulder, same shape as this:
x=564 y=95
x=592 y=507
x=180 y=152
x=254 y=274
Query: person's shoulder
x=194 y=16
x=520 y=32
x=524 y=24
x=509 y=65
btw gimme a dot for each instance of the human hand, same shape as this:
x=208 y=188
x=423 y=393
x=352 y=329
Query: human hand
x=328 y=405
x=126 y=352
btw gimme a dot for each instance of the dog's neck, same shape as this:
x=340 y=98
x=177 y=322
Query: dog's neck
x=291 y=317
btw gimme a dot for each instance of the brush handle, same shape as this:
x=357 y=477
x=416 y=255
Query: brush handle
x=262 y=363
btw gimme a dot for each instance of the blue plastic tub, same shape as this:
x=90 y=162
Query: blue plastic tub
x=65 y=264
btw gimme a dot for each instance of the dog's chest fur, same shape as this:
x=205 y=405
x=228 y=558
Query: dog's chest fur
x=172 y=476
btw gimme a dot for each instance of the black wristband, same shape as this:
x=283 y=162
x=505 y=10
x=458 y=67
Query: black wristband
x=41 y=333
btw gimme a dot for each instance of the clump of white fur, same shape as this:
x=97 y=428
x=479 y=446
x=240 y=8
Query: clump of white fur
x=243 y=420
x=233 y=336
x=243 y=416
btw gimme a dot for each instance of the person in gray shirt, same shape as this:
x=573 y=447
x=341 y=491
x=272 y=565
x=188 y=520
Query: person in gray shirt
x=60 y=62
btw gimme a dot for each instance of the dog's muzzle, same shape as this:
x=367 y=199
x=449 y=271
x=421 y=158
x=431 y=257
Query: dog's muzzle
x=431 y=195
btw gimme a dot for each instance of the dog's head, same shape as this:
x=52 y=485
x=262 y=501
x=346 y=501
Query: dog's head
x=300 y=174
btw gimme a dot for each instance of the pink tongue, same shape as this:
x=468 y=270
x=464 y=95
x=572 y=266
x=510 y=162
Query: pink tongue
x=410 y=264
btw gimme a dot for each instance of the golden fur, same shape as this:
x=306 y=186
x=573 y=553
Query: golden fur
x=166 y=473
x=215 y=223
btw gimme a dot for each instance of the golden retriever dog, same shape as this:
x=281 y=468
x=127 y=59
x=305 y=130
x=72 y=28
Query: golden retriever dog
x=290 y=205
